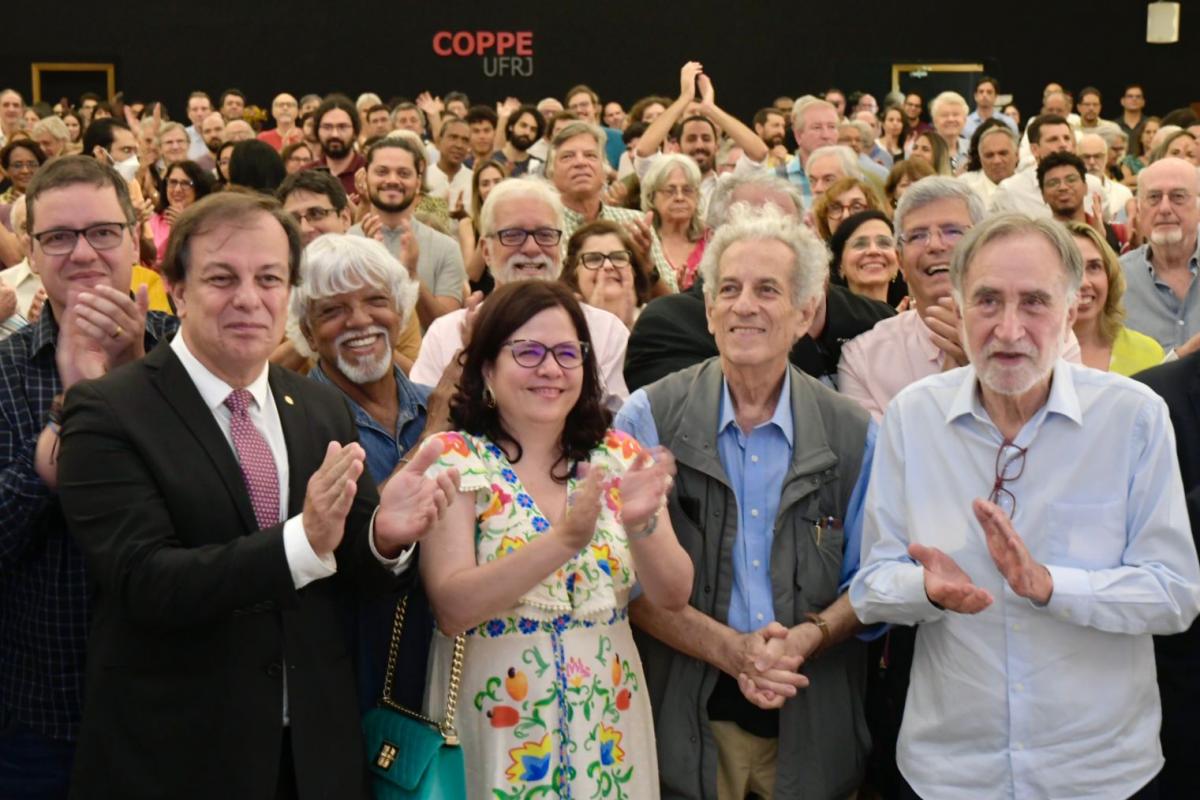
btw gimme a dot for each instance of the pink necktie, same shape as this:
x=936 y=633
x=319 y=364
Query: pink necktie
x=253 y=453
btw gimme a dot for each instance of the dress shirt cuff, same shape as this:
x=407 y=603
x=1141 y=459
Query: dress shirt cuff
x=1071 y=598
x=895 y=595
x=303 y=562
x=398 y=564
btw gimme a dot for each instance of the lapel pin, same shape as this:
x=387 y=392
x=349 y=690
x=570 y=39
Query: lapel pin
x=287 y=398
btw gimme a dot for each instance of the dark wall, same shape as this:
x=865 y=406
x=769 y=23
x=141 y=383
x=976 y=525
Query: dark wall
x=624 y=49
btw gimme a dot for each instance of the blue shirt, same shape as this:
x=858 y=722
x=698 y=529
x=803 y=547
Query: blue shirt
x=974 y=121
x=614 y=146
x=1152 y=307
x=1022 y=700
x=385 y=448
x=756 y=464
x=793 y=171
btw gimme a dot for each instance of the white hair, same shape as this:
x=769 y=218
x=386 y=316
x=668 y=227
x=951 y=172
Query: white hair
x=366 y=100
x=933 y=188
x=802 y=106
x=845 y=154
x=948 y=98
x=1003 y=226
x=52 y=125
x=810 y=267
x=337 y=263
x=513 y=188
x=721 y=199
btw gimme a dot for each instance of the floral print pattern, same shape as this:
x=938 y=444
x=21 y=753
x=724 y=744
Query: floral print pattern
x=557 y=706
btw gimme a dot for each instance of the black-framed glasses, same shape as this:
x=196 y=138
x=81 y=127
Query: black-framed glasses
x=530 y=353
x=1010 y=464
x=314 y=214
x=176 y=183
x=101 y=236
x=618 y=258
x=515 y=237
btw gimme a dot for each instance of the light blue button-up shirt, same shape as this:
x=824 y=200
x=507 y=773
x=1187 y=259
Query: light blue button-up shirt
x=974 y=120
x=1018 y=700
x=756 y=465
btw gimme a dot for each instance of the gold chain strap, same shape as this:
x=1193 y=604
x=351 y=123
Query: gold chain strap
x=446 y=726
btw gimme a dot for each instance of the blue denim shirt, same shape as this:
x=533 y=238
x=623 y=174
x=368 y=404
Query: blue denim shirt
x=370 y=624
x=386 y=448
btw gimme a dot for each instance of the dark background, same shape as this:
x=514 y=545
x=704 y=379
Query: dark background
x=754 y=50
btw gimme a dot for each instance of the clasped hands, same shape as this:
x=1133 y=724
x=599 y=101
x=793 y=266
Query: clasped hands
x=409 y=504
x=949 y=586
x=766 y=661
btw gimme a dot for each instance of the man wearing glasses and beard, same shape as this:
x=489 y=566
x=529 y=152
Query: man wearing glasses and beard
x=1028 y=513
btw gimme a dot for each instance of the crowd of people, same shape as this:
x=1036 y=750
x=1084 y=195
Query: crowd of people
x=847 y=452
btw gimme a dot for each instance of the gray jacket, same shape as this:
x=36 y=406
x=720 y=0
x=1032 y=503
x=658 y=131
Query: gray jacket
x=823 y=738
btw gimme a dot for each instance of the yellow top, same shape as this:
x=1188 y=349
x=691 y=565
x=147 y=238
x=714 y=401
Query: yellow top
x=1133 y=352
x=154 y=283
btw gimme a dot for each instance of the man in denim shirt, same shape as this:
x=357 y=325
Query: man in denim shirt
x=354 y=300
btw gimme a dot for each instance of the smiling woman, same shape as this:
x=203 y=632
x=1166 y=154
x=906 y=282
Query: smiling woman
x=535 y=559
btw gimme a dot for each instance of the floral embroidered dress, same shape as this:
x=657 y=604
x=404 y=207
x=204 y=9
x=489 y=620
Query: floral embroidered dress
x=553 y=701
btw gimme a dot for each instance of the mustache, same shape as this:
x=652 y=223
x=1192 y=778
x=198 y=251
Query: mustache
x=370 y=330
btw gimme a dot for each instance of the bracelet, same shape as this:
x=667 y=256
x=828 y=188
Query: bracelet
x=646 y=530
x=823 y=626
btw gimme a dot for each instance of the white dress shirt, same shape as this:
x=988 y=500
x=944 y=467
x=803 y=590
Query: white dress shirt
x=303 y=562
x=1022 y=701
x=1020 y=193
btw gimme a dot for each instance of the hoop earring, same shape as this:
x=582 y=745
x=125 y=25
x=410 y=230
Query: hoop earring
x=489 y=397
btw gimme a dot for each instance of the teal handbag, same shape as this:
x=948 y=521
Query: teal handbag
x=410 y=756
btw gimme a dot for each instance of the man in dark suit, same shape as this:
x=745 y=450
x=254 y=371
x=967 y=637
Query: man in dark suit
x=224 y=514
x=1178 y=656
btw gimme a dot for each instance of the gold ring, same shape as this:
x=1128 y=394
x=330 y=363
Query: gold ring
x=117 y=333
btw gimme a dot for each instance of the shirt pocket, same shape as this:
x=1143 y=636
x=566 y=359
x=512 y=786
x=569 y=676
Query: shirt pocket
x=1086 y=535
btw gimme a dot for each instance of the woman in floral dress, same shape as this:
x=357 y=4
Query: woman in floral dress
x=557 y=520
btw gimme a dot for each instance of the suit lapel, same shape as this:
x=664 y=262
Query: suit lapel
x=294 y=419
x=172 y=380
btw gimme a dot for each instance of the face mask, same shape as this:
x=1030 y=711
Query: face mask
x=128 y=168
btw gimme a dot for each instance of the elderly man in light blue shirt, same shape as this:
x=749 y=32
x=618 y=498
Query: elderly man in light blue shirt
x=1034 y=673
x=766 y=502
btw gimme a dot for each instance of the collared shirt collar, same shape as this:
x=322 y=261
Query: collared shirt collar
x=1193 y=262
x=1062 y=400
x=214 y=390
x=410 y=399
x=782 y=418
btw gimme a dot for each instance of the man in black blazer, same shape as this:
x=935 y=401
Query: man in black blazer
x=1178 y=657
x=225 y=517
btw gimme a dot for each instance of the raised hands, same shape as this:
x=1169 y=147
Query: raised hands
x=411 y=503
x=645 y=486
x=687 y=80
x=101 y=328
x=578 y=524
x=330 y=494
x=1027 y=577
x=946 y=584
x=945 y=325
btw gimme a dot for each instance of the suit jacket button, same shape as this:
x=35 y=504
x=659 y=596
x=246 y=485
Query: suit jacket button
x=275 y=670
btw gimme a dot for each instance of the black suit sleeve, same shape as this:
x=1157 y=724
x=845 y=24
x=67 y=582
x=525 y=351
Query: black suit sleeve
x=121 y=521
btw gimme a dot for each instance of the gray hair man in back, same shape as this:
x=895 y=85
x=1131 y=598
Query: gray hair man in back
x=1028 y=514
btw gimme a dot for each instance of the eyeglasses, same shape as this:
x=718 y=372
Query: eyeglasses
x=1010 y=464
x=314 y=214
x=1178 y=197
x=299 y=159
x=836 y=210
x=529 y=353
x=677 y=191
x=176 y=183
x=23 y=165
x=1070 y=180
x=865 y=242
x=921 y=237
x=618 y=258
x=515 y=237
x=101 y=236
